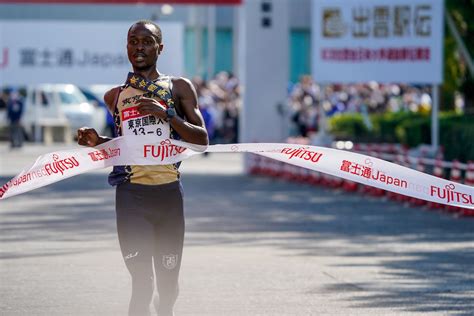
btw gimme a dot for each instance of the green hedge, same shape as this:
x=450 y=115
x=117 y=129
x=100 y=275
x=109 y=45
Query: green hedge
x=458 y=142
x=413 y=131
x=456 y=131
x=348 y=126
x=386 y=123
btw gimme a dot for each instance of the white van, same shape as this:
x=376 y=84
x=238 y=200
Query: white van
x=59 y=105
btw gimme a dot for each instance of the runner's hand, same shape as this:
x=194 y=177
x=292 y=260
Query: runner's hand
x=149 y=106
x=87 y=136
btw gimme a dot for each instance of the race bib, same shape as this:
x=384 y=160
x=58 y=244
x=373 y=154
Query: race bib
x=137 y=125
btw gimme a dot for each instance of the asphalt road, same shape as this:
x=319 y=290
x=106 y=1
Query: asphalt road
x=254 y=246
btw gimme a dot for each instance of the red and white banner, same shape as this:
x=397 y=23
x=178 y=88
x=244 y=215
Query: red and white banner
x=56 y=166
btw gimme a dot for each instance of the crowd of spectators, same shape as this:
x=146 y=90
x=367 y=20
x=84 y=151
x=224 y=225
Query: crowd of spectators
x=219 y=101
x=305 y=97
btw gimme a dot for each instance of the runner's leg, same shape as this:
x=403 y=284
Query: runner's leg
x=169 y=234
x=135 y=235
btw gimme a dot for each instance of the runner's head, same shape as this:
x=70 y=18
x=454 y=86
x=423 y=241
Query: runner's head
x=144 y=44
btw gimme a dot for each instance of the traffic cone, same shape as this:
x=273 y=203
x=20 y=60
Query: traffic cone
x=469 y=178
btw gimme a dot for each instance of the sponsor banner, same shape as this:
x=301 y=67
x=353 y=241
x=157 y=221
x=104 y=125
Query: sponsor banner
x=148 y=150
x=380 y=40
x=80 y=52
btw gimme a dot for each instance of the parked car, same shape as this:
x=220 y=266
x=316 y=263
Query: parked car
x=57 y=105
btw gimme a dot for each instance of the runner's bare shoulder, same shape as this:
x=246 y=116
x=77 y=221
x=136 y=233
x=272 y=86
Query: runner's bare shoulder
x=111 y=96
x=182 y=83
x=183 y=88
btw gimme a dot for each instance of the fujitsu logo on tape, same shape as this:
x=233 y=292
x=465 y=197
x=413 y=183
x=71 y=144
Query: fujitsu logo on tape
x=302 y=153
x=449 y=194
x=58 y=166
x=164 y=150
x=61 y=165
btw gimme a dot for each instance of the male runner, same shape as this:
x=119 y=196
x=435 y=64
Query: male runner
x=149 y=201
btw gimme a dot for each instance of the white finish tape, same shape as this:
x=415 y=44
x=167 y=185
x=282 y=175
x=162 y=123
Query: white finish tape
x=146 y=150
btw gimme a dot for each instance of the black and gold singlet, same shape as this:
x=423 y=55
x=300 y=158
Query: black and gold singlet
x=129 y=122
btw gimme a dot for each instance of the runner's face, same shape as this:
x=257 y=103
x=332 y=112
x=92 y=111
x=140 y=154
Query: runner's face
x=142 y=47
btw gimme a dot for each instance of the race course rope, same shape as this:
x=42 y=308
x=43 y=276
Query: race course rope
x=127 y=150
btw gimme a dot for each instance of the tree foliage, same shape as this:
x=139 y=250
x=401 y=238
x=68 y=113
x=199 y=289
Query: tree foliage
x=456 y=73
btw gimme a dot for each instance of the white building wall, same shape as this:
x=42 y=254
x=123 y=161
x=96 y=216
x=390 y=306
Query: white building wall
x=263 y=69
